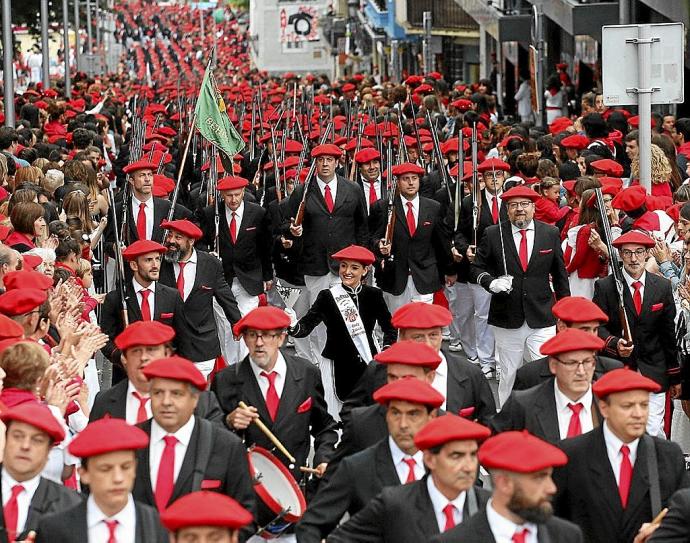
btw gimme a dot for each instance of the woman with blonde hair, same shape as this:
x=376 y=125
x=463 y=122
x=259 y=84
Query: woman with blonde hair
x=661 y=176
x=29 y=174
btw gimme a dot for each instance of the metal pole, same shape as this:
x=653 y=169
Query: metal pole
x=88 y=30
x=65 y=31
x=426 y=42
x=77 y=45
x=201 y=22
x=539 y=31
x=45 y=46
x=98 y=25
x=7 y=50
x=395 y=61
x=623 y=12
x=644 y=97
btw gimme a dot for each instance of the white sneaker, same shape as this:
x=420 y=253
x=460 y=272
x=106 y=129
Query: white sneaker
x=455 y=346
x=474 y=360
x=489 y=372
x=446 y=335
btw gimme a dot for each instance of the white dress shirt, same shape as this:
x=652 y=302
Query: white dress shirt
x=415 y=208
x=517 y=237
x=401 y=466
x=239 y=212
x=366 y=188
x=97 y=529
x=189 y=273
x=152 y=297
x=440 y=383
x=439 y=502
x=564 y=412
x=613 y=450
x=157 y=445
x=333 y=185
x=504 y=529
x=23 y=498
x=148 y=210
x=280 y=368
x=132 y=404
x=629 y=281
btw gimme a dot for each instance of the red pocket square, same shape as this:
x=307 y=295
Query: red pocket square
x=467 y=412
x=210 y=484
x=545 y=251
x=204 y=287
x=657 y=307
x=426 y=223
x=166 y=315
x=305 y=405
x=250 y=228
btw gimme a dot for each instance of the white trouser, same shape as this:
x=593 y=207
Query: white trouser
x=313 y=285
x=285 y=538
x=469 y=305
x=408 y=295
x=657 y=410
x=328 y=379
x=234 y=351
x=206 y=366
x=513 y=347
x=300 y=307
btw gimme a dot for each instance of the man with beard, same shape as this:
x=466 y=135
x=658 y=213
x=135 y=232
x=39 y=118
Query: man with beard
x=518 y=261
x=199 y=279
x=369 y=167
x=618 y=477
x=438 y=502
x=520 y=509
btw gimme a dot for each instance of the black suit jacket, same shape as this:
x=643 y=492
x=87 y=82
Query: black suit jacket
x=464 y=237
x=399 y=514
x=653 y=330
x=531 y=298
x=537 y=371
x=113 y=402
x=326 y=233
x=588 y=493
x=209 y=283
x=477 y=530
x=70 y=526
x=675 y=528
x=48 y=499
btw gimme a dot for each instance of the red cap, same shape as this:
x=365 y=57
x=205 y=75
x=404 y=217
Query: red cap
x=10 y=329
x=356 y=253
x=326 y=149
x=21 y=301
x=559 y=124
x=630 y=198
x=519 y=191
x=578 y=309
x=184 y=227
x=491 y=164
x=609 y=183
x=607 y=166
x=410 y=390
x=262 y=318
x=449 y=427
x=177 y=369
x=347 y=87
x=634 y=238
x=163 y=182
x=293 y=146
x=105 y=436
x=520 y=452
x=410 y=353
x=205 y=508
x=407 y=167
x=674 y=211
x=367 y=155
x=635 y=121
x=38 y=416
x=142 y=247
x=462 y=104
x=140 y=165
x=27 y=279
x=421 y=315
x=569 y=186
x=622 y=380
x=571 y=339
x=144 y=333
x=231 y=182
x=562 y=66
x=576 y=141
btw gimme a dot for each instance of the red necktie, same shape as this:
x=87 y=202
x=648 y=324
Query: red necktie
x=411 y=226
x=372 y=193
x=575 y=426
x=494 y=209
x=637 y=296
x=141 y=221
x=142 y=415
x=521 y=536
x=449 y=511
x=11 y=513
x=112 y=525
x=523 y=250
x=272 y=399
x=145 y=307
x=625 y=476
x=233 y=228
x=180 y=279
x=166 y=473
x=328 y=198
x=410 y=474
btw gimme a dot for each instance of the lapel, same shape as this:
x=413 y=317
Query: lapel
x=246 y=220
x=649 y=292
x=639 y=486
x=545 y=412
x=118 y=400
x=455 y=391
x=482 y=529
x=37 y=507
x=146 y=467
x=292 y=392
x=158 y=297
x=509 y=244
x=188 y=464
x=538 y=242
x=386 y=475
x=133 y=309
x=200 y=268
x=251 y=393
x=426 y=519
x=158 y=218
x=75 y=523
x=401 y=216
x=603 y=476
x=318 y=196
x=628 y=301
x=167 y=274
x=341 y=195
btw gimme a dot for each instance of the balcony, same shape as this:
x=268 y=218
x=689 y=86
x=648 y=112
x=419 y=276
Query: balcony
x=445 y=14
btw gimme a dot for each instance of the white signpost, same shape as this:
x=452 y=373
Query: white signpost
x=643 y=65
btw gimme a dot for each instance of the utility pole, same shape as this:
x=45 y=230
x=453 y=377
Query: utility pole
x=65 y=47
x=426 y=43
x=77 y=45
x=45 y=46
x=7 y=51
x=88 y=31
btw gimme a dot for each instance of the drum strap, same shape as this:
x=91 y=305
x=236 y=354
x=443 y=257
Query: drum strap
x=472 y=506
x=653 y=473
x=203 y=452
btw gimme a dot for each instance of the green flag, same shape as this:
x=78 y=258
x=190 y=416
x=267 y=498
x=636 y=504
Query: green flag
x=212 y=120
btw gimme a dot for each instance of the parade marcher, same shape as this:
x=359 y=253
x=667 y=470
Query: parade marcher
x=410 y=404
x=520 y=509
x=199 y=279
x=618 y=478
x=517 y=261
x=440 y=501
x=350 y=310
x=108 y=466
x=369 y=167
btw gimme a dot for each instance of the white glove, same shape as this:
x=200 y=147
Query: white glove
x=502 y=284
x=293 y=316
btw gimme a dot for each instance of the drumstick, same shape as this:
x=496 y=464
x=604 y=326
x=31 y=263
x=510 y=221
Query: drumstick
x=270 y=435
x=657 y=520
x=305 y=469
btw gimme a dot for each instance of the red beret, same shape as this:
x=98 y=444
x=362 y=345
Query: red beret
x=347 y=87
x=414 y=80
x=293 y=146
x=367 y=155
x=27 y=279
x=205 y=508
x=578 y=309
x=611 y=182
x=559 y=124
x=491 y=164
x=105 y=436
x=177 y=369
x=674 y=211
x=576 y=141
x=462 y=104
x=622 y=380
x=633 y=237
x=185 y=227
x=231 y=182
x=519 y=191
x=520 y=452
x=164 y=182
x=569 y=186
x=167 y=131
x=326 y=149
x=262 y=318
x=406 y=168
x=410 y=390
x=630 y=198
x=410 y=353
x=562 y=66
x=635 y=121
x=571 y=339
x=434 y=75
x=449 y=427
x=142 y=247
x=10 y=329
x=38 y=416
x=364 y=143
x=21 y=301
x=421 y=315
x=140 y=165
x=424 y=88
x=356 y=253
x=607 y=166
x=144 y=333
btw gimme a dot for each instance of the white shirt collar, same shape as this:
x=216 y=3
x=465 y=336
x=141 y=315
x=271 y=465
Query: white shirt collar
x=280 y=367
x=503 y=528
x=192 y=258
x=238 y=212
x=414 y=201
x=183 y=435
x=629 y=280
x=562 y=400
x=29 y=485
x=94 y=515
x=138 y=287
x=322 y=184
x=136 y=202
x=529 y=227
x=439 y=501
x=614 y=444
x=442 y=368
x=131 y=389
x=374 y=182
x=398 y=455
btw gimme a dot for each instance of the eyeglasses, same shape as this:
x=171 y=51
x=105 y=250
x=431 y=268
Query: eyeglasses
x=254 y=335
x=521 y=205
x=575 y=364
x=493 y=175
x=627 y=253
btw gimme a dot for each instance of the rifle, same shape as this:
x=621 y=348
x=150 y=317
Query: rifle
x=442 y=170
x=476 y=192
x=458 y=181
x=252 y=137
x=211 y=194
x=402 y=149
x=392 y=194
x=615 y=266
x=416 y=128
x=276 y=172
x=358 y=146
x=119 y=261
x=299 y=217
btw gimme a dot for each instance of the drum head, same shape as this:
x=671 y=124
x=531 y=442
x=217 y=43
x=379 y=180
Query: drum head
x=275 y=485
